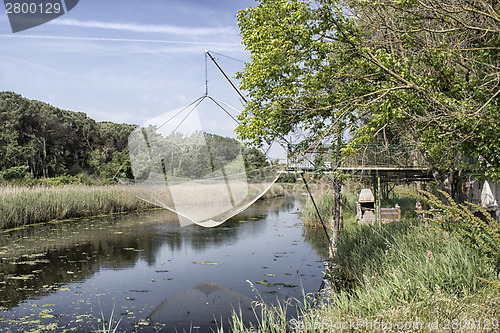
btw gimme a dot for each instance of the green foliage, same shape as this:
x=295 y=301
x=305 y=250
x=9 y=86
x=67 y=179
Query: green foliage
x=254 y=159
x=196 y=156
x=50 y=142
x=478 y=231
x=17 y=173
x=400 y=71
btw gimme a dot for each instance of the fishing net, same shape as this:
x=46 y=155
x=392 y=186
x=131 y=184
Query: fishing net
x=184 y=161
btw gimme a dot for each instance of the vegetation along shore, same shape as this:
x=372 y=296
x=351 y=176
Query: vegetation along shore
x=21 y=205
x=408 y=276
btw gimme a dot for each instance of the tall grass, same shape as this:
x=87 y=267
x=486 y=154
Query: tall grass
x=398 y=273
x=276 y=190
x=22 y=205
x=478 y=230
x=27 y=205
x=324 y=201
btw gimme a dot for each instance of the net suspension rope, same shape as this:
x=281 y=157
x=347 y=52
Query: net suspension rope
x=219 y=103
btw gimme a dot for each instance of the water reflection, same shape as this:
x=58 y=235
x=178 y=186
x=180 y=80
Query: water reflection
x=141 y=260
x=315 y=235
x=200 y=308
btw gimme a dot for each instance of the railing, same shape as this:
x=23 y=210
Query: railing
x=365 y=156
x=397 y=156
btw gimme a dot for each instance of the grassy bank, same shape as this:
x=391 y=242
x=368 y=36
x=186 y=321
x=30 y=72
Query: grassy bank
x=400 y=277
x=405 y=276
x=276 y=190
x=27 y=205
x=23 y=205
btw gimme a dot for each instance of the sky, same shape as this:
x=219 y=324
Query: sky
x=127 y=61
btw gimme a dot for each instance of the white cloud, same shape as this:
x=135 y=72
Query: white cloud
x=149 y=28
x=230 y=45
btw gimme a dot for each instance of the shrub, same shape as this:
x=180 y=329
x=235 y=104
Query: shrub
x=480 y=232
x=16 y=173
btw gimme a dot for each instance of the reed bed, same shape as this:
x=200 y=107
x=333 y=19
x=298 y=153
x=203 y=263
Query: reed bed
x=276 y=190
x=23 y=205
x=324 y=201
x=20 y=206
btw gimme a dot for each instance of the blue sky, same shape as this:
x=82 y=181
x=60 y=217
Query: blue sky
x=125 y=61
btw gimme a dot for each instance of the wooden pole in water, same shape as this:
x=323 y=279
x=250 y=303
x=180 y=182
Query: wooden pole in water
x=337 y=213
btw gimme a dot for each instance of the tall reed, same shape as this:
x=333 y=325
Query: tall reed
x=27 y=205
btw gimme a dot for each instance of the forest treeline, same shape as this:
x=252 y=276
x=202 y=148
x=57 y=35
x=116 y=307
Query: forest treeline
x=38 y=140
x=41 y=142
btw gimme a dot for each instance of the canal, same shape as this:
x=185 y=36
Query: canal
x=143 y=272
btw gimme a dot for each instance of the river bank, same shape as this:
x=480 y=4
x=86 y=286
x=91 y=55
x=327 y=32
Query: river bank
x=21 y=205
x=24 y=205
x=401 y=277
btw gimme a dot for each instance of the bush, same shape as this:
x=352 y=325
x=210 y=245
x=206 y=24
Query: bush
x=17 y=173
x=480 y=232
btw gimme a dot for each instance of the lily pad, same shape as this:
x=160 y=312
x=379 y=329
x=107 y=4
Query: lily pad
x=264 y=283
x=207 y=263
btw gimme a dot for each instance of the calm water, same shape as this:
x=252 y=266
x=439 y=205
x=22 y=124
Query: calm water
x=154 y=275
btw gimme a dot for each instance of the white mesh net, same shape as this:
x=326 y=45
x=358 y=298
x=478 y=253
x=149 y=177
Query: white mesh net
x=181 y=164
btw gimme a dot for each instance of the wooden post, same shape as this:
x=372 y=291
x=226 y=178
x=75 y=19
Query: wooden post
x=379 y=204
x=336 y=219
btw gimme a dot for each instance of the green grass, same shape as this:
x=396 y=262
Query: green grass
x=324 y=203
x=20 y=206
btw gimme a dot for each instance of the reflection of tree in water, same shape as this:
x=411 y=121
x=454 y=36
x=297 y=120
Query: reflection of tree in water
x=37 y=274
x=200 y=238
x=198 y=306
x=315 y=235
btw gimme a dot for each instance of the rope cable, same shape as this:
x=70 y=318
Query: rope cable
x=223 y=55
x=189 y=113
x=223 y=109
x=163 y=124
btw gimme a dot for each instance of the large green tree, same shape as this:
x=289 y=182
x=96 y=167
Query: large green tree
x=47 y=141
x=424 y=72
